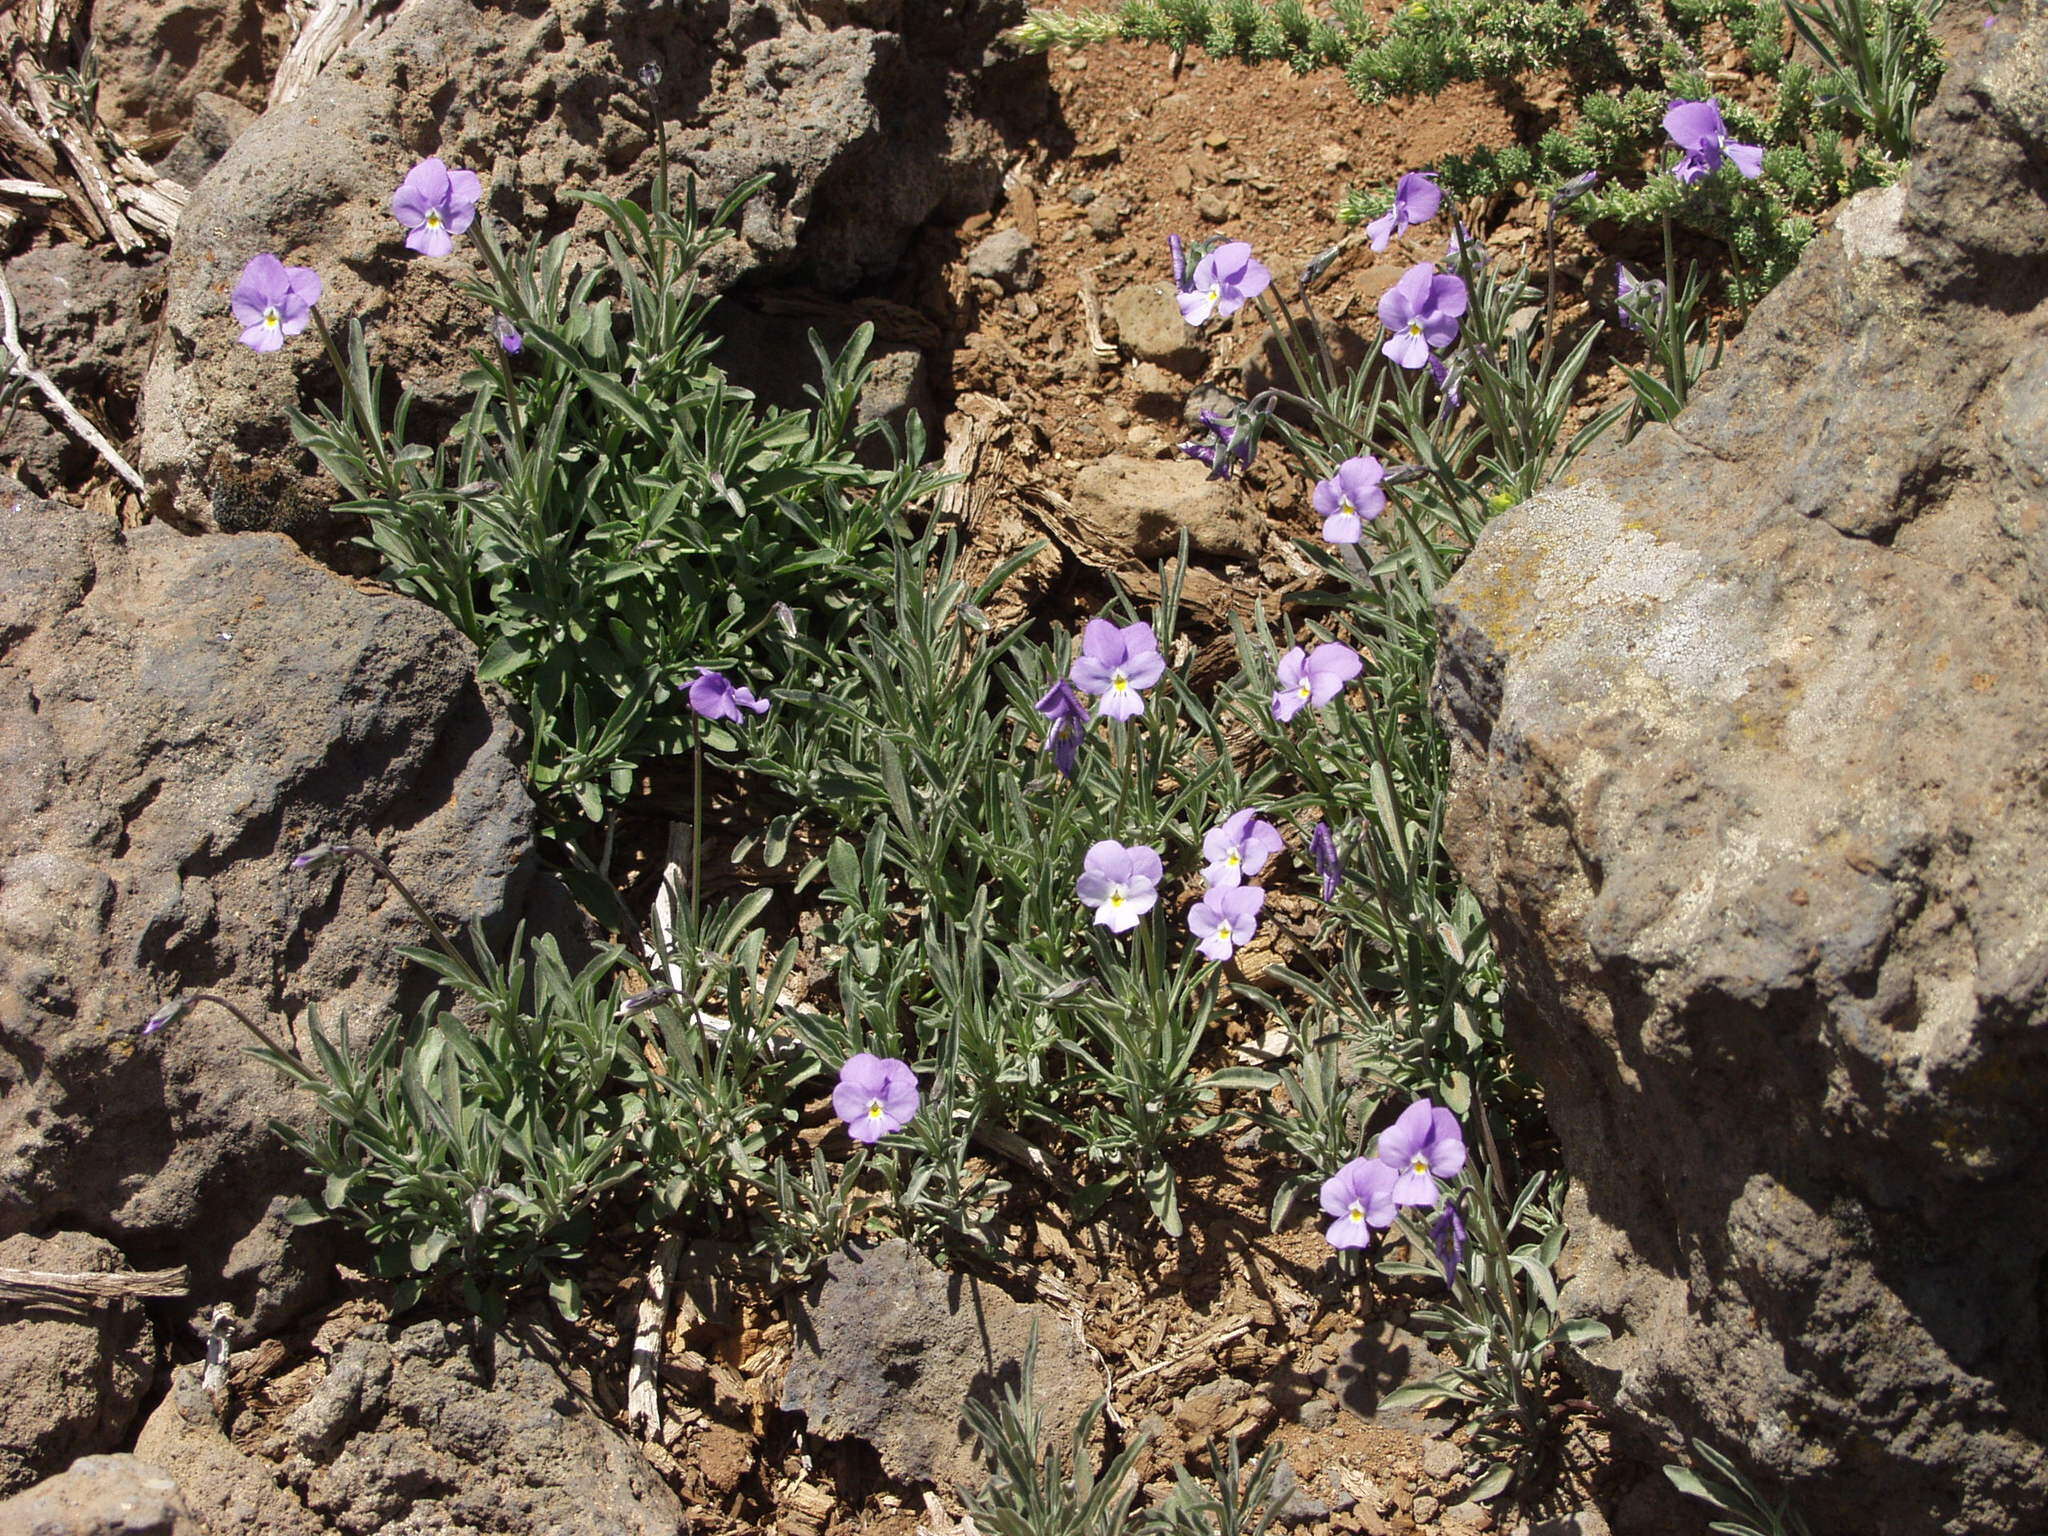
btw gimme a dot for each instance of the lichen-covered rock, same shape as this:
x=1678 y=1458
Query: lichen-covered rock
x=1750 y=736
x=100 y=1496
x=178 y=716
x=869 y=125
x=72 y=1376
x=891 y=1348
x=422 y=1429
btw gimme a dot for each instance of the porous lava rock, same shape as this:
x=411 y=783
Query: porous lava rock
x=72 y=1374
x=178 y=717
x=891 y=1348
x=428 y=1427
x=101 y=1496
x=1749 y=724
x=868 y=119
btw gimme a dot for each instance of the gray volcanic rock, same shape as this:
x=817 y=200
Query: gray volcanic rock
x=1750 y=737
x=868 y=125
x=178 y=716
x=101 y=1496
x=891 y=1348
x=414 y=1430
x=72 y=1376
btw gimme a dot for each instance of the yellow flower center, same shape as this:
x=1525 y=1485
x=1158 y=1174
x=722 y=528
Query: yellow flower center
x=1116 y=896
x=1118 y=683
x=1419 y=1165
x=1232 y=859
x=271 y=318
x=433 y=218
x=1223 y=932
x=1357 y=1212
x=1414 y=327
x=874 y=1109
x=1216 y=294
x=1305 y=691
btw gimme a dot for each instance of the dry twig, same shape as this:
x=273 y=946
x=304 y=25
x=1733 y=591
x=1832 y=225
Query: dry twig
x=90 y=1286
x=10 y=337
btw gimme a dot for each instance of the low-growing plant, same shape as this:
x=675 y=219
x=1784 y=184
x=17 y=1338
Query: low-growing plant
x=1725 y=1487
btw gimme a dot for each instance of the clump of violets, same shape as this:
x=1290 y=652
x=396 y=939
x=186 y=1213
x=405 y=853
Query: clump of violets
x=1696 y=128
x=876 y=1097
x=1121 y=884
x=1223 y=282
x=1422 y=310
x=435 y=204
x=714 y=697
x=1350 y=499
x=1238 y=849
x=272 y=301
x=1232 y=447
x=1313 y=678
x=1416 y=200
x=1066 y=718
x=1225 y=919
x=1640 y=301
x=1322 y=848
x=1357 y=1198
x=1422 y=1147
x=1117 y=664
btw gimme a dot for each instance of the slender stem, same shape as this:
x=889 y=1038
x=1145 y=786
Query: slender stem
x=696 y=828
x=442 y=941
x=247 y=1023
x=372 y=428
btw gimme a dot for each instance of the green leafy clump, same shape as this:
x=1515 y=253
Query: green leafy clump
x=611 y=513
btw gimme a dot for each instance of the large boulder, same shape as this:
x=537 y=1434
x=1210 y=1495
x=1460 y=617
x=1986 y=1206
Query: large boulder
x=868 y=117
x=72 y=1374
x=428 y=1428
x=178 y=716
x=100 y=1496
x=1750 y=735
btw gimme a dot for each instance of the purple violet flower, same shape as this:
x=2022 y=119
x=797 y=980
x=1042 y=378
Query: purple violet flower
x=1313 y=678
x=1179 y=253
x=1579 y=186
x=1322 y=847
x=875 y=1097
x=1350 y=499
x=1447 y=1236
x=1416 y=200
x=1224 y=281
x=272 y=301
x=1066 y=719
x=435 y=204
x=1121 y=884
x=1359 y=1196
x=1422 y=311
x=1238 y=849
x=1117 y=665
x=1696 y=128
x=1421 y=1147
x=1225 y=918
x=714 y=697
x=1640 y=301
x=1233 y=448
x=507 y=335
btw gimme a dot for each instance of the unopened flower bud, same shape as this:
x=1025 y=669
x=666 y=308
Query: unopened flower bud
x=640 y=1002
x=314 y=857
x=167 y=1015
